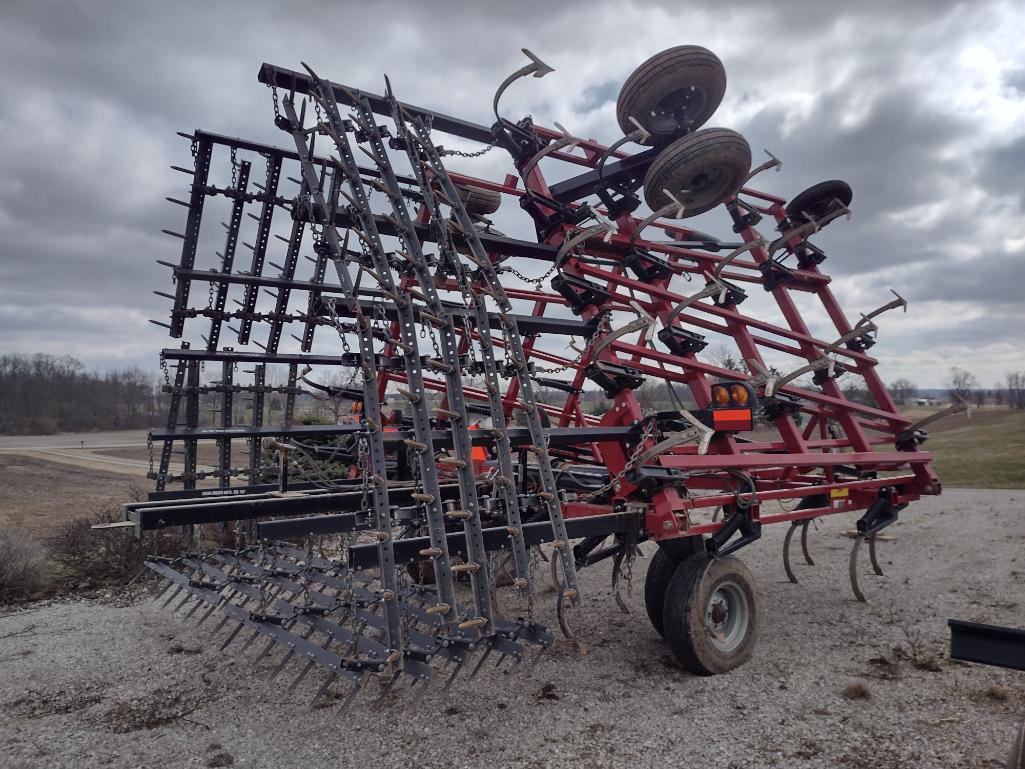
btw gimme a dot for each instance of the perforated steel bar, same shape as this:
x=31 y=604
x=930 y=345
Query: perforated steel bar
x=407 y=331
x=286 y=278
x=191 y=422
x=227 y=409
x=201 y=171
x=263 y=231
x=228 y=256
x=255 y=446
x=499 y=429
x=173 y=408
x=514 y=351
x=372 y=406
x=459 y=422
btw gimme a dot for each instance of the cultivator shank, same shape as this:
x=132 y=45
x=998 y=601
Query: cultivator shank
x=377 y=542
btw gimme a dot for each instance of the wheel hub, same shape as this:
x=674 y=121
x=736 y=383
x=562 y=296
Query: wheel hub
x=677 y=110
x=727 y=616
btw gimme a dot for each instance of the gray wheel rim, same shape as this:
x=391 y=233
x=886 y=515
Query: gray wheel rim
x=727 y=617
x=677 y=110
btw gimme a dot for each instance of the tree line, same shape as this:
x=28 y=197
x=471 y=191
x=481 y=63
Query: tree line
x=43 y=393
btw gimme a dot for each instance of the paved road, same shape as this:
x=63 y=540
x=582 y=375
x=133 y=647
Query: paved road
x=79 y=449
x=105 y=440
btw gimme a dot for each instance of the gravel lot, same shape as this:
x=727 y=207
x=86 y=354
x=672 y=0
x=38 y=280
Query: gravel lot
x=833 y=683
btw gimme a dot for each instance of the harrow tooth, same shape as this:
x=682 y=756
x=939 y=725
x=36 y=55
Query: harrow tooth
x=481 y=661
x=458 y=665
x=357 y=687
x=853 y=568
x=178 y=589
x=231 y=636
x=323 y=688
x=281 y=664
x=302 y=674
x=266 y=650
x=249 y=642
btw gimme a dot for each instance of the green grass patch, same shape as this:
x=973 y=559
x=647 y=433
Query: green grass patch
x=985 y=452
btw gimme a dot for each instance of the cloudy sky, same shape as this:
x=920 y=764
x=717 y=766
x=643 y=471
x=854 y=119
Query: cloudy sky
x=919 y=105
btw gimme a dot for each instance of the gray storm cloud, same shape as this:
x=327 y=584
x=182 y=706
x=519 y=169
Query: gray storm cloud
x=920 y=106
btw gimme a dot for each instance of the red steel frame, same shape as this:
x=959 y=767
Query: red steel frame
x=781 y=469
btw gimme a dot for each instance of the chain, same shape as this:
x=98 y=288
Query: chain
x=274 y=99
x=600 y=326
x=149 y=448
x=166 y=372
x=459 y=153
x=538 y=281
x=363 y=459
x=234 y=166
x=649 y=430
x=339 y=326
x=434 y=343
x=469 y=338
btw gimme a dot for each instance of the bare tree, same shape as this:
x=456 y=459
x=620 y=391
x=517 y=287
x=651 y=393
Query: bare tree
x=854 y=389
x=903 y=390
x=961 y=384
x=1016 y=389
x=47 y=393
x=998 y=394
x=723 y=357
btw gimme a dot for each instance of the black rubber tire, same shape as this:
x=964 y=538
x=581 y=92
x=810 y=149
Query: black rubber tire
x=663 y=565
x=689 y=75
x=684 y=614
x=818 y=200
x=656 y=583
x=711 y=164
x=479 y=201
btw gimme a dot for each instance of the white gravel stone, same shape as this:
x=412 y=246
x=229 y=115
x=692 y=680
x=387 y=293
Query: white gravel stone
x=102 y=684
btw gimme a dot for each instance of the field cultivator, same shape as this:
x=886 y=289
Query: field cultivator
x=405 y=534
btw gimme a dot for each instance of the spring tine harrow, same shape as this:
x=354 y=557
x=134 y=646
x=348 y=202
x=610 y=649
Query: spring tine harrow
x=419 y=417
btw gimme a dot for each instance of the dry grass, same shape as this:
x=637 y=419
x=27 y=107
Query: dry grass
x=91 y=558
x=856 y=691
x=984 y=452
x=25 y=569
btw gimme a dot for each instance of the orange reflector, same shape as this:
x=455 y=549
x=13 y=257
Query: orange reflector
x=739 y=394
x=732 y=420
x=720 y=395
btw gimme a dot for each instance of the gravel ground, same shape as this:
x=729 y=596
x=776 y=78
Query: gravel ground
x=833 y=683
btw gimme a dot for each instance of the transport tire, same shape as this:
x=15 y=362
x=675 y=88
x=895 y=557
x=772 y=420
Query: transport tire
x=701 y=169
x=479 y=201
x=711 y=614
x=660 y=572
x=672 y=93
x=818 y=200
